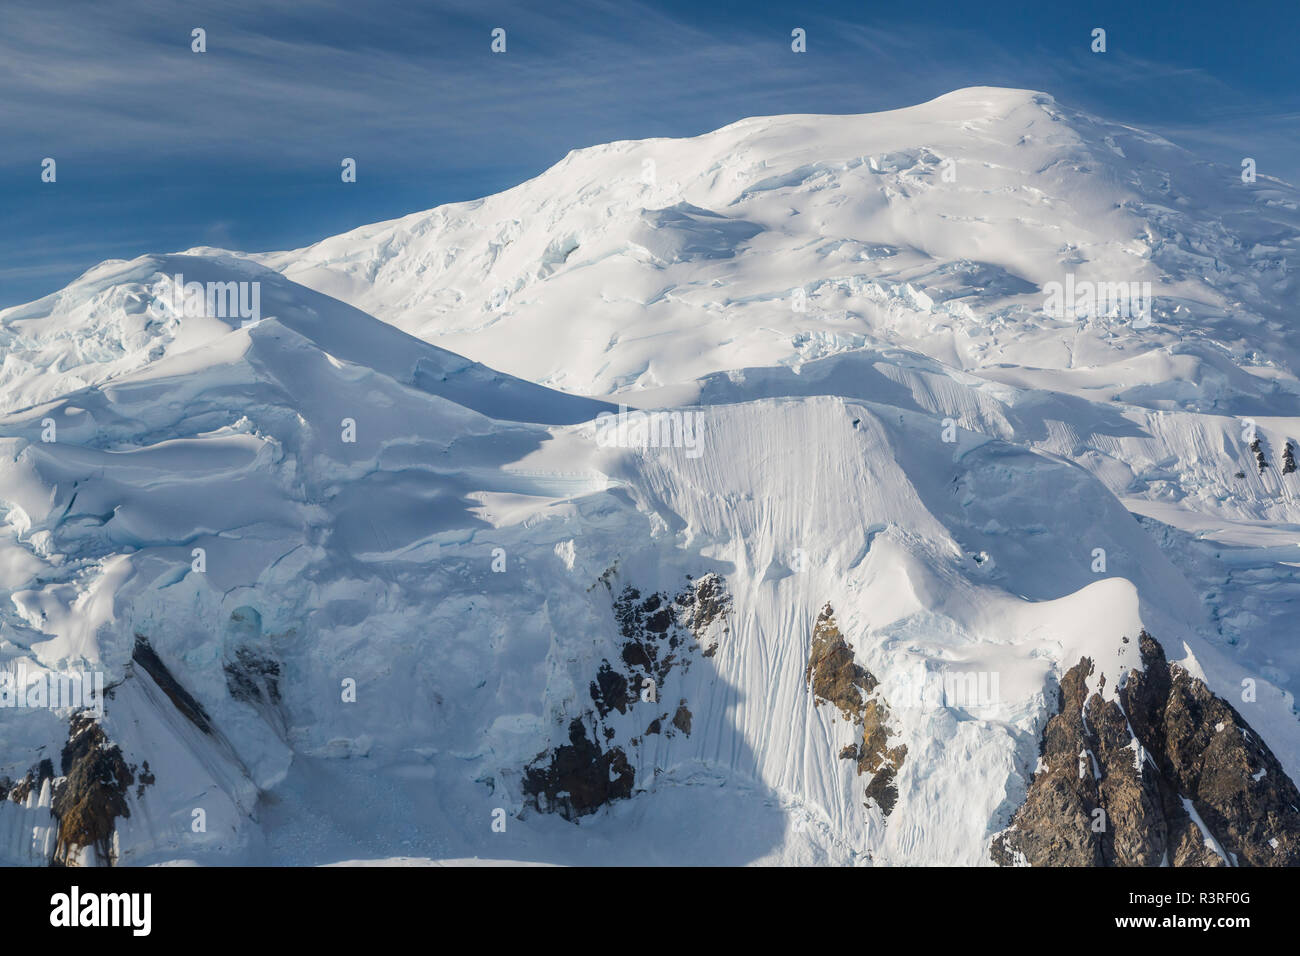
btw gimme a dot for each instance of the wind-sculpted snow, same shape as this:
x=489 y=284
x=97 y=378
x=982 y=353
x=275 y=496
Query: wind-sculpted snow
x=113 y=321
x=935 y=227
x=358 y=595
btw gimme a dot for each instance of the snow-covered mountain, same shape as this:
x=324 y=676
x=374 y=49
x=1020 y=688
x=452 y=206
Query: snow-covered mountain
x=721 y=500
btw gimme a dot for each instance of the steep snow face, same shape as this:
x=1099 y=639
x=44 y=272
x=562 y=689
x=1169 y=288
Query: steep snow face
x=920 y=245
x=372 y=563
x=361 y=597
x=321 y=439
x=934 y=227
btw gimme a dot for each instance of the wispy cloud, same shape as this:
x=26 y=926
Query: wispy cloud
x=410 y=85
x=238 y=143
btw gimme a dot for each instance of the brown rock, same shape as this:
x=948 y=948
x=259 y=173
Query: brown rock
x=1164 y=740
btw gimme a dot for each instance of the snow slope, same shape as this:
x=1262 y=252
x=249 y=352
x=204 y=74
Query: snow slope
x=662 y=282
x=921 y=449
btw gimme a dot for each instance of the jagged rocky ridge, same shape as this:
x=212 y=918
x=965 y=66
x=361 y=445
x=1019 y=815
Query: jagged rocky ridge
x=87 y=798
x=658 y=634
x=1166 y=773
x=93 y=792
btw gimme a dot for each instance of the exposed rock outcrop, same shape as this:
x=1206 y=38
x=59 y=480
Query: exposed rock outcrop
x=86 y=798
x=145 y=656
x=254 y=678
x=579 y=778
x=836 y=678
x=659 y=635
x=31 y=781
x=1260 y=460
x=1164 y=772
x=92 y=793
x=682 y=719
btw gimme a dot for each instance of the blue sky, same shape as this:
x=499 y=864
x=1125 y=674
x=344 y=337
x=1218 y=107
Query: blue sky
x=160 y=149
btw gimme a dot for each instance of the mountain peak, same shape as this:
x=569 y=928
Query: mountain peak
x=939 y=225
x=844 y=455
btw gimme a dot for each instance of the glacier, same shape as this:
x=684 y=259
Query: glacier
x=368 y=575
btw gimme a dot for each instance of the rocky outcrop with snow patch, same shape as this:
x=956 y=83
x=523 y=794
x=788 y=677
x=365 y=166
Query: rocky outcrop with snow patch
x=1163 y=772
